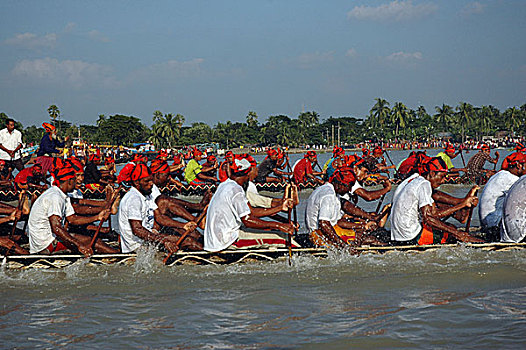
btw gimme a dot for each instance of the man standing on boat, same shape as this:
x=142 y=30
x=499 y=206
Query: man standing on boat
x=47 y=234
x=495 y=191
x=415 y=217
x=229 y=209
x=303 y=169
x=48 y=147
x=136 y=214
x=10 y=145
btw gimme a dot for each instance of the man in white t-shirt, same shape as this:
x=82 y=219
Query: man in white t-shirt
x=328 y=221
x=415 y=217
x=229 y=209
x=495 y=191
x=10 y=145
x=47 y=234
x=136 y=214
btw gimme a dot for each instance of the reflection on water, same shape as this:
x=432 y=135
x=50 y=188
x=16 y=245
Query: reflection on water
x=446 y=298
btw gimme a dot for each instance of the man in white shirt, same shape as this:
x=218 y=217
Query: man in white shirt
x=513 y=227
x=415 y=217
x=495 y=191
x=47 y=234
x=229 y=209
x=10 y=145
x=136 y=214
x=324 y=214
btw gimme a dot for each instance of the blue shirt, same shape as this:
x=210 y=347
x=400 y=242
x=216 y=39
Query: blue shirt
x=48 y=145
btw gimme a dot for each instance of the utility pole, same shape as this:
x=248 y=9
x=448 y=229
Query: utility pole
x=332 y=135
x=339 y=143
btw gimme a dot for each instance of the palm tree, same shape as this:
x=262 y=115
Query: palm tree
x=513 y=119
x=102 y=119
x=444 y=115
x=484 y=119
x=380 y=112
x=464 y=117
x=399 y=116
x=421 y=112
x=252 y=120
x=54 y=113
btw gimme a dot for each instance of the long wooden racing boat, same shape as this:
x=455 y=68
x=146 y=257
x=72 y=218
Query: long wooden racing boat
x=226 y=257
x=7 y=195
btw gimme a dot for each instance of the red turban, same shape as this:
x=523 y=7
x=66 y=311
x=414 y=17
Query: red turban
x=48 y=127
x=272 y=152
x=338 y=151
x=378 y=151
x=310 y=154
x=513 y=159
x=76 y=164
x=211 y=158
x=63 y=174
x=140 y=172
x=160 y=167
x=433 y=164
x=343 y=175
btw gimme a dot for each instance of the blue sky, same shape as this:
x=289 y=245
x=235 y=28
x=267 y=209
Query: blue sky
x=217 y=60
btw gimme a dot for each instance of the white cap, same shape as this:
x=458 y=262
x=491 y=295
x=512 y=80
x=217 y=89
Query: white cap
x=242 y=164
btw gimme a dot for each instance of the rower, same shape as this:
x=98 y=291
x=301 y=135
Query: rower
x=324 y=215
x=229 y=209
x=92 y=175
x=193 y=170
x=415 y=217
x=303 y=169
x=494 y=192
x=225 y=167
x=109 y=169
x=47 y=234
x=448 y=154
x=360 y=171
x=333 y=163
x=411 y=164
x=212 y=164
x=30 y=178
x=177 y=167
x=475 y=167
x=166 y=208
x=268 y=166
x=6 y=176
x=375 y=163
x=125 y=173
x=136 y=216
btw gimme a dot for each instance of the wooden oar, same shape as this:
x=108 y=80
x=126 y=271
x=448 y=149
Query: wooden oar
x=186 y=233
x=107 y=206
x=468 y=222
x=462 y=157
x=18 y=208
x=295 y=213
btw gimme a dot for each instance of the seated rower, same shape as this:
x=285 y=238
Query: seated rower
x=136 y=214
x=411 y=164
x=92 y=174
x=448 y=154
x=375 y=163
x=335 y=162
x=266 y=206
x=87 y=207
x=212 y=164
x=124 y=174
x=415 y=217
x=475 y=167
x=109 y=169
x=177 y=167
x=361 y=172
x=513 y=228
x=324 y=215
x=492 y=198
x=303 y=169
x=229 y=209
x=6 y=176
x=47 y=235
x=194 y=172
x=225 y=167
x=31 y=178
x=166 y=208
x=269 y=166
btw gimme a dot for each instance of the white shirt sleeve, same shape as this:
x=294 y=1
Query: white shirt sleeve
x=69 y=207
x=54 y=207
x=424 y=194
x=240 y=204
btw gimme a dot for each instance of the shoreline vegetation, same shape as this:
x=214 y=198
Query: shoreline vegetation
x=392 y=123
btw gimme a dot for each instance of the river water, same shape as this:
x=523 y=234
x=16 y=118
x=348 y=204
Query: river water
x=449 y=298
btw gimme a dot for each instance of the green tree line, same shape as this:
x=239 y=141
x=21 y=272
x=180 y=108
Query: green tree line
x=385 y=121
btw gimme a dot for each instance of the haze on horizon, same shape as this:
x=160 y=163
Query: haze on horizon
x=217 y=60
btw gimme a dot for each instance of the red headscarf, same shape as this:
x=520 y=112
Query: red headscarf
x=140 y=172
x=239 y=164
x=48 y=127
x=338 y=151
x=450 y=148
x=76 y=164
x=343 y=175
x=310 y=154
x=272 y=152
x=63 y=174
x=196 y=152
x=512 y=159
x=159 y=167
x=211 y=158
x=433 y=164
x=484 y=147
x=378 y=151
